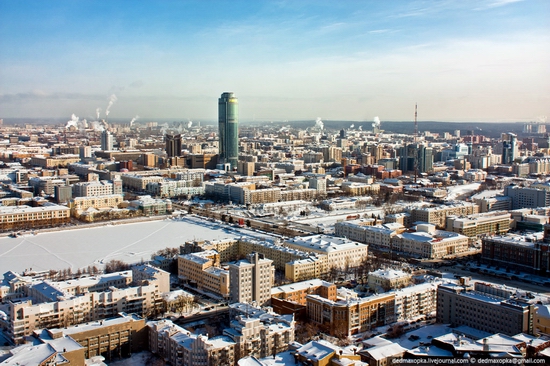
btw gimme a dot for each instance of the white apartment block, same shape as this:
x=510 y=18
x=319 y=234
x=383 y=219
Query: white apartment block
x=415 y=301
x=61 y=308
x=83 y=285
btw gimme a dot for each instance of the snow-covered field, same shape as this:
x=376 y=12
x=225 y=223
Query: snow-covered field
x=80 y=248
x=455 y=192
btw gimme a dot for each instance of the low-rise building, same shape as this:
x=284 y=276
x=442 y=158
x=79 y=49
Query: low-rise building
x=322 y=353
x=340 y=252
x=388 y=279
x=112 y=338
x=25 y=217
x=429 y=243
x=379 y=236
x=480 y=224
x=524 y=253
x=437 y=214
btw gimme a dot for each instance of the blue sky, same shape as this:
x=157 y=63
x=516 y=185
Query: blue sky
x=482 y=60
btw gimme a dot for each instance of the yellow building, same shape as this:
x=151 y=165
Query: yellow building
x=478 y=224
x=339 y=252
x=202 y=269
x=54 y=161
x=25 y=217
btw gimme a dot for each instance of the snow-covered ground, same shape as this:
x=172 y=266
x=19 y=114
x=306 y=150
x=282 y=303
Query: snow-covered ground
x=455 y=192
x=130 y=243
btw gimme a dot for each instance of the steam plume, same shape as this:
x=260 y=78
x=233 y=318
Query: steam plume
x=72 y=122
x=319 y=124
x=133 y=120
x=97 y=111
x=112 y=99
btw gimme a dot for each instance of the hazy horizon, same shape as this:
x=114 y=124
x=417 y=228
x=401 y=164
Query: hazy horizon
x=461 y=61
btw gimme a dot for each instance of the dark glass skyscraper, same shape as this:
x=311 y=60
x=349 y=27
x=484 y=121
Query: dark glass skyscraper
x=228 y=121
x=173 y=145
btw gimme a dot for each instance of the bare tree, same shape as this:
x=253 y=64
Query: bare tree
x=115 y=265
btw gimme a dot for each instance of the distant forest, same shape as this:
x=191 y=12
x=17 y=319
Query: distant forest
x=489 y=129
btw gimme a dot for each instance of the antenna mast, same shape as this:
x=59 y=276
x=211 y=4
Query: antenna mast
x=415 y=142
x=415 y=122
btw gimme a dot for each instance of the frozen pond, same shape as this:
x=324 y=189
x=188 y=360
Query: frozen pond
x=130 y=243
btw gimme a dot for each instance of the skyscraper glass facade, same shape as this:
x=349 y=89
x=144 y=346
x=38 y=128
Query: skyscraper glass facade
x=228 y=121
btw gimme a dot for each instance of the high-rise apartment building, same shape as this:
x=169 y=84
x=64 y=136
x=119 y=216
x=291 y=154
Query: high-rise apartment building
x=251 y=279
x=106 y=141
x=173 y=145
x=228 y=121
